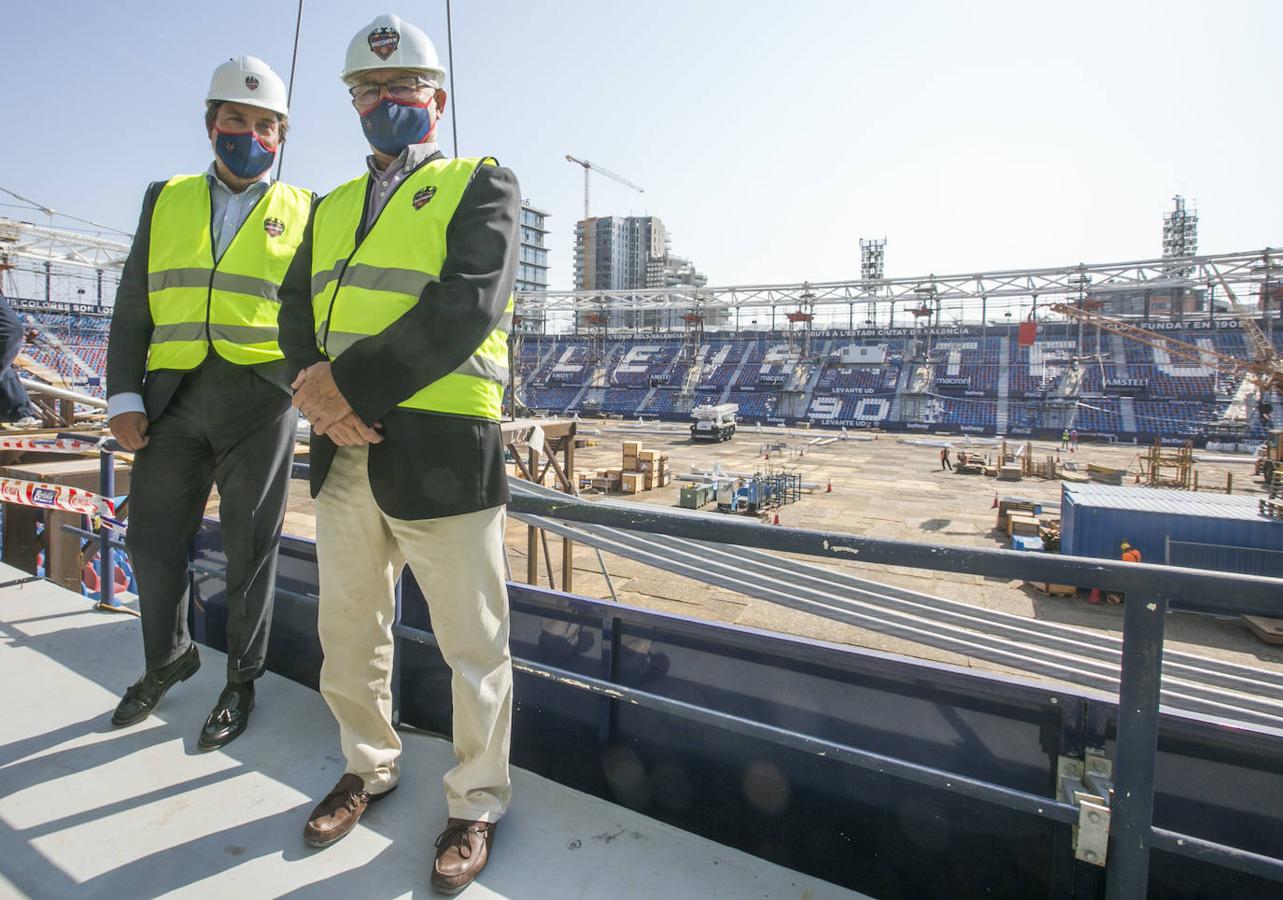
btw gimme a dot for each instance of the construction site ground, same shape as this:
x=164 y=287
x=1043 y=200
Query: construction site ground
x=881 y=488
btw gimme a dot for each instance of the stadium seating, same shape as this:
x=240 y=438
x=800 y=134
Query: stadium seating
x=650 y=375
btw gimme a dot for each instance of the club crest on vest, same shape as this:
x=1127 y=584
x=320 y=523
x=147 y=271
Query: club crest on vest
x=251 y=82
x=423 y=196
x=274 y=227
x=384 y=41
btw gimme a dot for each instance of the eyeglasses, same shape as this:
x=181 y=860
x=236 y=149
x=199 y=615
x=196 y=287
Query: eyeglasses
x=366 y=93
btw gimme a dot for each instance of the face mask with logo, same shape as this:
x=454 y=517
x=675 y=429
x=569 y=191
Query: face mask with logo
x=391 y=126
x=243 y=153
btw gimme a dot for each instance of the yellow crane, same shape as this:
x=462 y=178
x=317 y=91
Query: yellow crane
x=1264 y=370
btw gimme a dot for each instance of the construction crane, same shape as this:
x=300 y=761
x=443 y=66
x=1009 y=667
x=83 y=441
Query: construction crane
x=1262 y=350
x=592 y=167
x=1264 y=370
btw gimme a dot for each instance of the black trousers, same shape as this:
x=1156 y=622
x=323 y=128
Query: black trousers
x=229 y=426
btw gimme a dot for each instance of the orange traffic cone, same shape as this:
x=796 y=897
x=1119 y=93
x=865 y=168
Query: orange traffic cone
x=1095 y=597
x=829 y=489
x=995 y=502
x=777 y=519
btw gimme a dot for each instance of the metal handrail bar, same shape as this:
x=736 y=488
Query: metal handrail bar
x=1194 y=590
x=976 y=788
x=40 y=387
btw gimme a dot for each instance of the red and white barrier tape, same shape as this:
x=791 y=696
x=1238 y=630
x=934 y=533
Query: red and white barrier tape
x=50 y=445
x=56 y=496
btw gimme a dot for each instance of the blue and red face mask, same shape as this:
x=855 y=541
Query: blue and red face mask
x=243 y=153
x=392 y=125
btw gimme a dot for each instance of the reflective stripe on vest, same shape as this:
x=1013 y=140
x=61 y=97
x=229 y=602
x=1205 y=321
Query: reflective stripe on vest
x=358 y=290
x=230 y=304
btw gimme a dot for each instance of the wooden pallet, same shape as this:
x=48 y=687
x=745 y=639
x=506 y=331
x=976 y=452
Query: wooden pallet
x=1053 y=590
x=1268 y=630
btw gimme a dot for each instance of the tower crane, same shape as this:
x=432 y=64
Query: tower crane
x=592 y=167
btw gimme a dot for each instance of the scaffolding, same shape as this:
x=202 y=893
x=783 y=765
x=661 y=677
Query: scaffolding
x=1167 y=467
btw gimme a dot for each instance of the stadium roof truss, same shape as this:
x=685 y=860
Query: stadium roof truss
x=41 y=243
x=1244 y=268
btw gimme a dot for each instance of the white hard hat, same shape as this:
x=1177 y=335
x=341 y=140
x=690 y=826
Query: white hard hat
x=390 y=42
x=247 y=79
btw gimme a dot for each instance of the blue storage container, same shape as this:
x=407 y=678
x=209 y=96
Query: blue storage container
x=1222 y=532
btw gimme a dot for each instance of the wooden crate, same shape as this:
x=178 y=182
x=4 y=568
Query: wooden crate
x=632 y=448
x=1018 y=524
x=631 y=482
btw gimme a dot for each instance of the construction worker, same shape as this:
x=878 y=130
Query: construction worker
x=944 y=459
x=1064 y=439
x=1073 y=440
x=1130 y=554
x=198 y=388
x=395 y=315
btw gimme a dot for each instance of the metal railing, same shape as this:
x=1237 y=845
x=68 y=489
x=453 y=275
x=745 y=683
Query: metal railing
x=1151 y=590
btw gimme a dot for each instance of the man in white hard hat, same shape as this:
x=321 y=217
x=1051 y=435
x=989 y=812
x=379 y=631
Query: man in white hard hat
x=395 y=314
x=198 y=388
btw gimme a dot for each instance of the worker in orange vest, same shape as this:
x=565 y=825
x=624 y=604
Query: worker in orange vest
x=1130 y=554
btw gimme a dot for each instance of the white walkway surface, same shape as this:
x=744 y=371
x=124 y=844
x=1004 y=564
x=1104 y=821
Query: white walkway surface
x=87 y=810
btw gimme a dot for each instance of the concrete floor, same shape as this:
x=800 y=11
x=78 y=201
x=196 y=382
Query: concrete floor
x=87 y=810
x=881 y=488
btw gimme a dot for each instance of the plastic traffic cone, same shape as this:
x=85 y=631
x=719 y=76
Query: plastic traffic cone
x=995 y=502
x=829 y=489
x=1095 y=597
x=777 y=519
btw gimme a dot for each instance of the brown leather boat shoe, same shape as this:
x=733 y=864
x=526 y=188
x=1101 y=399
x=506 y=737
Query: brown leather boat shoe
x=339 y=812
x=462 y=852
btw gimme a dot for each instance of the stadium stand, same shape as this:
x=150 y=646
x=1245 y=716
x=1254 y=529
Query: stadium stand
x=1099 y=384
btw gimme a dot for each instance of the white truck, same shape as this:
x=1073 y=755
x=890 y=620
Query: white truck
x=713 y=422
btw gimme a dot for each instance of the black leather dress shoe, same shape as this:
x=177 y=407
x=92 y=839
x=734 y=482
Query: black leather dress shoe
x=230 y=716
x=144 y=694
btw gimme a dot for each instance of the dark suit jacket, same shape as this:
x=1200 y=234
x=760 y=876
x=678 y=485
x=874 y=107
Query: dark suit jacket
x=131 y=328
x=428 y=465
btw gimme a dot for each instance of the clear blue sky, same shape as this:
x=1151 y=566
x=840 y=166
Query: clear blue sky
x=769 y=137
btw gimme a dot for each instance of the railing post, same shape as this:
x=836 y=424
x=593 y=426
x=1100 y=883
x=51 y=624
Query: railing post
x=106 y=552
x=1135 y=754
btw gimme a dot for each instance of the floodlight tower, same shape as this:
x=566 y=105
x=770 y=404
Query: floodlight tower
x=872 y=259
x=872 y=270
x=1180 y=232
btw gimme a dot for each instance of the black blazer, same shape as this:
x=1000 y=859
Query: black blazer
x=131 y=328
x=428 y=465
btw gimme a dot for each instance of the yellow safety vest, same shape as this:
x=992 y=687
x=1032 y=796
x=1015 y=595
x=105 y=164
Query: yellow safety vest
x=229 y=303
x=360 y=288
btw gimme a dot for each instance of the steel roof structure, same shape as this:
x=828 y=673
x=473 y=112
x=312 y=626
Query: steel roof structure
x=1249 y=267
x=60 y=246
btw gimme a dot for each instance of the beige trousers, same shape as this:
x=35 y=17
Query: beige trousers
x=458 y=561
